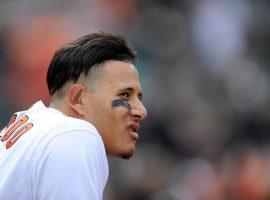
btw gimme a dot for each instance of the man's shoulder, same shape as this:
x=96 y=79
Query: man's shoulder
x=54 y=122
x=46 y=119
x=48 y=124
x=67 y=124
x=62 y=135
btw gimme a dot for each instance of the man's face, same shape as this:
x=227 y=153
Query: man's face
x=114 y=107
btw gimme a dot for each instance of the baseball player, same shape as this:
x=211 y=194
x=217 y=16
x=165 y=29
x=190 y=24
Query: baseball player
x=60 y=152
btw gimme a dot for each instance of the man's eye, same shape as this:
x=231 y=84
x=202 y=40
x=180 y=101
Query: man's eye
x=125 y=94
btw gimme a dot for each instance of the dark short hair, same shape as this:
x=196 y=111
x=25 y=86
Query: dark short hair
x=82 y=54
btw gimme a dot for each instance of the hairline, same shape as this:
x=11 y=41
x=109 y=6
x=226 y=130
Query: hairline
x=86 y=80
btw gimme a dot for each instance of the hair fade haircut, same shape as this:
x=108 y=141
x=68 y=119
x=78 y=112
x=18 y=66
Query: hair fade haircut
x=82 y=54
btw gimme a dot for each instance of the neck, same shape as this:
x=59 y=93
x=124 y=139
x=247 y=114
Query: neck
x=63 y=107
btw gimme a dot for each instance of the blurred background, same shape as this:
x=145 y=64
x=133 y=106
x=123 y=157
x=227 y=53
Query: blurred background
x=205 y=72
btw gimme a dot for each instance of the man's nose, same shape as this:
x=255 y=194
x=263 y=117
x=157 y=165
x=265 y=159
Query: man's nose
x=138 y=110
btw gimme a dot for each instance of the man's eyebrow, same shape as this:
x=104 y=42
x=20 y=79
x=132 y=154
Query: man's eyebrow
x=130 y=89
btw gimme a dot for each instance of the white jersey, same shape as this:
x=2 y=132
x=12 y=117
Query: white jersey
x=45 y=155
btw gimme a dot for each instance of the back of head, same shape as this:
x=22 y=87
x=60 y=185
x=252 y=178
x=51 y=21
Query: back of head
x=84 y=55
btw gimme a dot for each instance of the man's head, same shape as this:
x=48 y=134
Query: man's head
x=94 y=78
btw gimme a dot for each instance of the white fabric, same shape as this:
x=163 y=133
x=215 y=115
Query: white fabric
x=59 y=158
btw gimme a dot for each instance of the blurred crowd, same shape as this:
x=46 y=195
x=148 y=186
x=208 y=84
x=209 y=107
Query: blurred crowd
x=205 y=72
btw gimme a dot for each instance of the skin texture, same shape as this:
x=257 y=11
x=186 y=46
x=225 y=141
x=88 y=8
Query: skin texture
x=94 y=103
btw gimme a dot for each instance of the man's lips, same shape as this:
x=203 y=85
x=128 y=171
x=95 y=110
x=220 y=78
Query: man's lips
x=133 y=128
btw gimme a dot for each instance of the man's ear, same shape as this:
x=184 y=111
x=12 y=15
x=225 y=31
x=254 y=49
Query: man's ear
x=75 y=97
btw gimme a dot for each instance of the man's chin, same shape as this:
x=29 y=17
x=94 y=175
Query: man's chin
x=128 y=155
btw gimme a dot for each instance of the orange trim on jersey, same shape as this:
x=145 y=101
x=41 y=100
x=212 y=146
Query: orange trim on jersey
x=13 y=127
x=18 y=134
